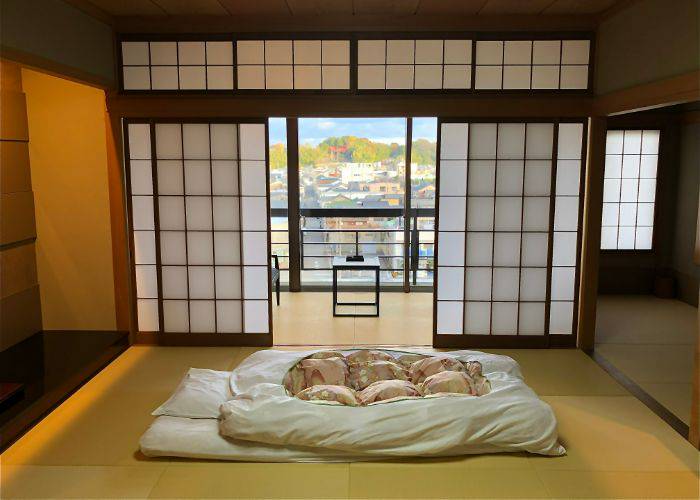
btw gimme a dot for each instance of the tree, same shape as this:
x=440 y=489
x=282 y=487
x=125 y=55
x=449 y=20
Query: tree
x=278 y=156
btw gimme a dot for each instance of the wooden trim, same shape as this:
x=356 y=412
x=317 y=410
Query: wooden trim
x=674 y=90
x=639 y=393
x=59 y=70
x=118 y=226
x=205 y=339
x=592 y=220
x=493 y=341
x=504 y=104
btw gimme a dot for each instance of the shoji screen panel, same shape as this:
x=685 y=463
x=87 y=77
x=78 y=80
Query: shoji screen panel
x=504 y=211
x=567 y=223
x=414 y=64
x=631 y=160
x=201 y=252
x=293 y=64
x=143 y=225
x=177 y=65
x=532 y=65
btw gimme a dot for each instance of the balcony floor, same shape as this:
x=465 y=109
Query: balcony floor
x=306 y=318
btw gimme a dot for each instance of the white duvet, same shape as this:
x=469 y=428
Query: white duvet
x=260 y=422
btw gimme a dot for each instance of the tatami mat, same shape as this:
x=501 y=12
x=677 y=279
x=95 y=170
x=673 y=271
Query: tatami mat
x=88 y=447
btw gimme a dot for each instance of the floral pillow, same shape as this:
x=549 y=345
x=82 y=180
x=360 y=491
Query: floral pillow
x=364 y=355
x=309 y=372
x=406 y=360
x=474 y=368
x=294 y=380
x=420 y=370
x=384 y=390
x=448 y=382
x=326 y=355
x=364 y=374
x=331 y=393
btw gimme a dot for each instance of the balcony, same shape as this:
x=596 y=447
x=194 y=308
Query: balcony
x=405 y=251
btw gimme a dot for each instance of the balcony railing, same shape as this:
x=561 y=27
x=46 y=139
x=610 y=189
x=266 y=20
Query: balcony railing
x=325 y=233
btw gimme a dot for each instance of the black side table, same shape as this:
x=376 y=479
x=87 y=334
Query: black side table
x=369 y=264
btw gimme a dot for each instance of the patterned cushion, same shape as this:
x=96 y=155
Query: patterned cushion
x=364 y=374
x=384 y=390
x=331 y=393
x=449 y=382
x=422 y=369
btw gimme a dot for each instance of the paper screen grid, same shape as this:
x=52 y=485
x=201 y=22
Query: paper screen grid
x=177 y=65
x=211 y=228
x=495 y=225
x=629 y=192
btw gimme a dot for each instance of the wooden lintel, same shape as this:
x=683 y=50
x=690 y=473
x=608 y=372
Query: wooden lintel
x=149 y=106
x=54 y=68
x=676 y=90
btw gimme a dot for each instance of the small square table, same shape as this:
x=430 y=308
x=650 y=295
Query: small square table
x=371 y=263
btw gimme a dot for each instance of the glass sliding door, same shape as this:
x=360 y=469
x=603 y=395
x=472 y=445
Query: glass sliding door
x=507 y=232
x=198 y=209
x=352 y=189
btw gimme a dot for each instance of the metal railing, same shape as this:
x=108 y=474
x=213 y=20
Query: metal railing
x=318 y=245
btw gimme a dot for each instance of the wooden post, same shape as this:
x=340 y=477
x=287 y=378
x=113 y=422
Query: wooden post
x=119 y=231
x=592 y=217
x=694 y=434
x=293 y=204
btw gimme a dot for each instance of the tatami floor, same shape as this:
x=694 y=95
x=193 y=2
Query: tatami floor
x=307 y=318
x=651 y=341
x=87 y=448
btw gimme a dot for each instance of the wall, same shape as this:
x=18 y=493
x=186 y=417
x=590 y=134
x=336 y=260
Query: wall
x=68 y=153
x=52 y=35
x=687 y=272
x=648 y=41
x=20 y=313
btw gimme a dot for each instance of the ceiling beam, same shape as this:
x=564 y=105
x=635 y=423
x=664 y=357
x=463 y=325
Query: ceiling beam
x=310 y=23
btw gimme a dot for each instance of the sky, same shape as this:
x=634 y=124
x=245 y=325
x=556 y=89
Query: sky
x=387 y=130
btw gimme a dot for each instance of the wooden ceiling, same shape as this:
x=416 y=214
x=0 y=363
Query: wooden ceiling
x=291 y=8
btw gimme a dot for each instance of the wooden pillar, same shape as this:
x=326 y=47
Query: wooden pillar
x=407 y=208
x=119 y=231
x=592 y=217
x=293 y=204
x=694 y=434
x=20 y=302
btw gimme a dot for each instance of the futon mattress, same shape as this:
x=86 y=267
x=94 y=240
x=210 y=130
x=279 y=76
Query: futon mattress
x=259 y=421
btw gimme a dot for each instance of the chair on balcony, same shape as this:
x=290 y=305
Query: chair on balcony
x=276 y=277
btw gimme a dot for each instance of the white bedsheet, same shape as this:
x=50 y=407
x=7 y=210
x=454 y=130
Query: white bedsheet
x=262 y=423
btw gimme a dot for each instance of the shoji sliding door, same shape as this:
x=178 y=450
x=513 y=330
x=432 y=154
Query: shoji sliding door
x=507 y=233
x=199 y=205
